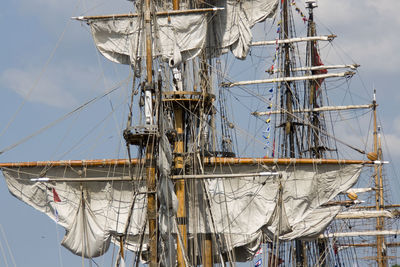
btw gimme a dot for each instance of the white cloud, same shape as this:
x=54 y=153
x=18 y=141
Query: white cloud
x=396 y=125
x=51 y=8
x=55 y=16
x=391 y=137
x=391 y=142
x=61 y=85
x=48 y=91
x=367 y=30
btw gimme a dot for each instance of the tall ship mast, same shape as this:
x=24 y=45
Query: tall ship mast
x=197 y=186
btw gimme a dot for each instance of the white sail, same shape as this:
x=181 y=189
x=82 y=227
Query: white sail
x=239 y=208
x=313 y=224
x=194 y=199
x=180 y=37
x=242 y=208
x=107 y=203
x=86 y=237
x=230 y=28
x=122 y=40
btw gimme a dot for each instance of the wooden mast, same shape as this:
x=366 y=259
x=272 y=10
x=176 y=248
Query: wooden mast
x=150 y=163
x=379 y=200
x=175 y=4
x=180 y=184
x=313 y=85
x=314 y=132
x=288 y=105
x=179 y=169
x=289 y=150
x=206 y=242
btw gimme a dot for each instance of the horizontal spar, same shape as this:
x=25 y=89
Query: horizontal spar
x=359 y=190
x=211 y=160
x=321 y=67
x=71 y=163
x=174 y=177
x=364 y=214
x=346 y=203
x=361 y=233
x=375 y=258
x=223 y=175
x=160 y=13
x=320 y=109
x=395 y=244
x=283 y=161
x=291 y=79
x=295 y=40
x=81 y=180
x=392 y=206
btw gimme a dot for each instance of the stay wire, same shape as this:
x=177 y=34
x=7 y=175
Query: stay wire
x=62 y=118
x=4 y=254
x=8 y=247
x=36 y=82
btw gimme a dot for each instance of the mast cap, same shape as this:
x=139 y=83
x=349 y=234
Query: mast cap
x=311 y=3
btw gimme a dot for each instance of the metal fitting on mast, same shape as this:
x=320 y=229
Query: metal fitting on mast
x=311 y=3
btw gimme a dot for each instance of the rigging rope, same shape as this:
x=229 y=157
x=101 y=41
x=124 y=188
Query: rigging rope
x=36 y=82
x=64 y=117
x=8 y=247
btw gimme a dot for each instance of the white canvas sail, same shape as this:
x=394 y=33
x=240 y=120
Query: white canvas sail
x=230 y=29
x=122 y=40
x=220 y=202
x=240 y=208
x=182 y=36
x=86 y=237
x=107 y=203
x=244 y=206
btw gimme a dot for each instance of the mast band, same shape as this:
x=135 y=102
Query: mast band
x=181 y=220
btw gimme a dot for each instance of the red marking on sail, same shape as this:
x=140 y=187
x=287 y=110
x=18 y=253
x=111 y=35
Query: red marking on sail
x=55 y=196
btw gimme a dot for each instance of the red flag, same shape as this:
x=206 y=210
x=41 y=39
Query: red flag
x=55 y=196
x=335 y=249
x=273 y=148
x=318 y=62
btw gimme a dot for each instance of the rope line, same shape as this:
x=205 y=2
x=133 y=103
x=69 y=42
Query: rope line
x=62 y=118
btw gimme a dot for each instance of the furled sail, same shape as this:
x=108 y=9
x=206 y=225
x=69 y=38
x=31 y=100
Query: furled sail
x=240 y=210
x=179 y=37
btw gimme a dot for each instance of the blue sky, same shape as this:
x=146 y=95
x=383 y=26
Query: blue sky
x=49 y=65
